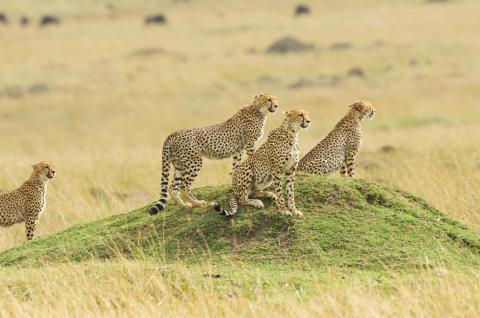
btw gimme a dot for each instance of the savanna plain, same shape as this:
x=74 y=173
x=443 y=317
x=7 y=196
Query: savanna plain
x=98 y=93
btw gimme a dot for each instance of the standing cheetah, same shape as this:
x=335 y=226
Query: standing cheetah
x=26 y=203
x=339 y=148
x=185 y=148
x=278 y=156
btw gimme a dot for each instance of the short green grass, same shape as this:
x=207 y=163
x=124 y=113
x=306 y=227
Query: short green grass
x=349 y=223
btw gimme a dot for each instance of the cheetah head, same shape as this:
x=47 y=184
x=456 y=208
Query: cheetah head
x=364 y=109
x=298 y=119
x=44 y=170
x=265 y=103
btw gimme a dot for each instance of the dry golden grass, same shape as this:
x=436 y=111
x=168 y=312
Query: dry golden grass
x=108 y=109
x=131 y=289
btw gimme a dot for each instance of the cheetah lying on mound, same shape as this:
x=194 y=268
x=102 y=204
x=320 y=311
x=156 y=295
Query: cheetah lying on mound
x=339 y=148
x=278 y=156
x=185 y=148
x=26 y=203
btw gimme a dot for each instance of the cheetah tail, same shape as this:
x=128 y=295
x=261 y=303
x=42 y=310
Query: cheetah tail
x=233 y=207
x=162 y=202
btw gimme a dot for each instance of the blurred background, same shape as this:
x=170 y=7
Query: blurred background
x=96 y=85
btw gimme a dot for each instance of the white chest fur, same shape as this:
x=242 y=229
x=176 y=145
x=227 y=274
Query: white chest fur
x=292 y=155
x=43 y=203
x=262 y=130
x=292 y=158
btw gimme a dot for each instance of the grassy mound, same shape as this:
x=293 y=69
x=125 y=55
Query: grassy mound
x=348 y=223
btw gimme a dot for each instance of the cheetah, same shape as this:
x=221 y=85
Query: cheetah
x=339 y=148
x=278 y=156
x=185 y=149
x=27 y=202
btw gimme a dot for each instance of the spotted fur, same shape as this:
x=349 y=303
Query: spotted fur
x=339 y=149
x=26 y=203
x=185 y=149
x=277 y=157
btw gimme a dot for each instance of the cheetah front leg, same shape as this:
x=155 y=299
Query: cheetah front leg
x=30 y=225
x=290 y=185
x=350 y=164
x=237 y=159
x=250 y=143
x=343 y=169
x=277 y=184
x=174 y=188
x=186 y=185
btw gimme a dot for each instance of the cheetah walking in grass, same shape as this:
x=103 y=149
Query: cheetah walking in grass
x=278 y=156
x=339 y=149
x=185 y=149
x=26 y=203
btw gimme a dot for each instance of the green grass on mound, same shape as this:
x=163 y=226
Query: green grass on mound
x=348 y=223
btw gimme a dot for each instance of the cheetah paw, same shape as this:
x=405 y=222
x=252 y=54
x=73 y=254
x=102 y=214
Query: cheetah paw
x=297 y=213
x=186 y=205
x=200 y=203
x=257 y=204
x=285 y=212
x=271 y=195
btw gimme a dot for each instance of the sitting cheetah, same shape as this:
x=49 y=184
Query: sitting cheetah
x=339 y=148
x=278 y=156
x=26 y=203
x=185 y=148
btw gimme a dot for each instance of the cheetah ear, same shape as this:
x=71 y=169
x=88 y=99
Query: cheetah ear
x=356 y=106
x=37 y=165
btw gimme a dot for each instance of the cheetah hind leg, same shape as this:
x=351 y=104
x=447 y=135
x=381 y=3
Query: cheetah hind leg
x=188 y=178
x=194 y=201
x=173 y=190
x=178 y=200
